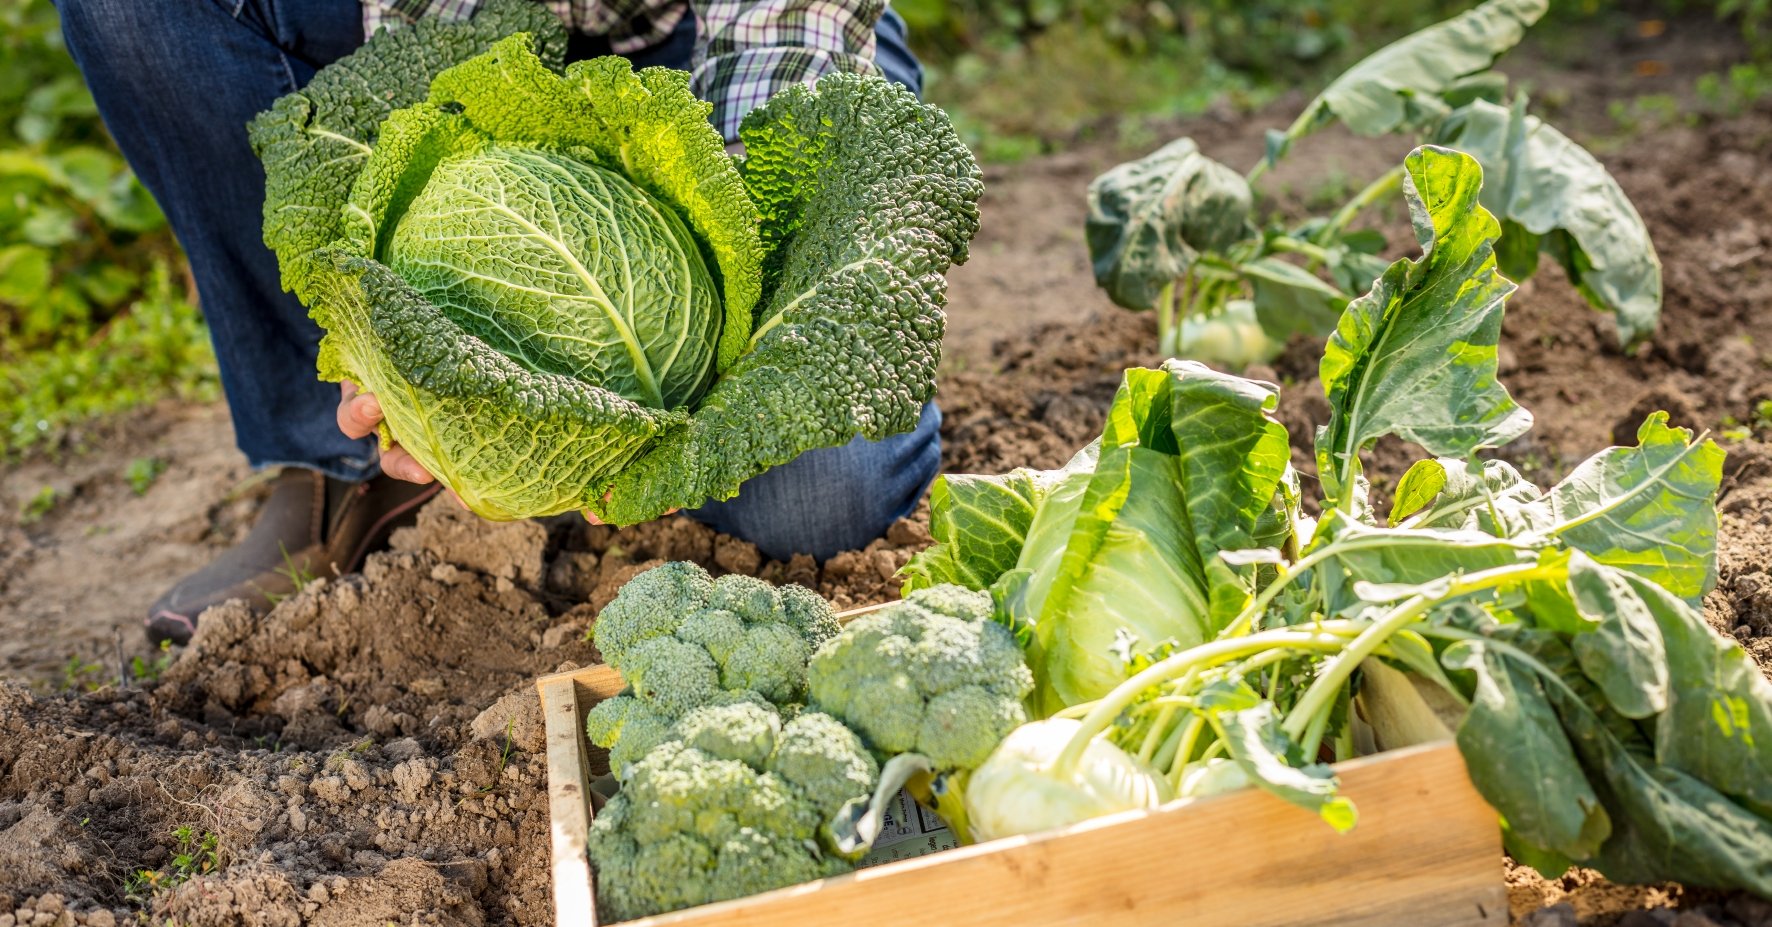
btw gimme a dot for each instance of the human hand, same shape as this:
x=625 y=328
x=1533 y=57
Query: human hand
x=359 y=414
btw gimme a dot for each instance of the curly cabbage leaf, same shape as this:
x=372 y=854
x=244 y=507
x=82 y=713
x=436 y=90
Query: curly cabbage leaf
x=564 y=292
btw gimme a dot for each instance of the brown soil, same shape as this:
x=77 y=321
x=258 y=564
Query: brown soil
x=369 y=752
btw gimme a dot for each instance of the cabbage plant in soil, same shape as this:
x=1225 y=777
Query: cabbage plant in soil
x=1176 y=232
x=567 y=295
x=1554 y=633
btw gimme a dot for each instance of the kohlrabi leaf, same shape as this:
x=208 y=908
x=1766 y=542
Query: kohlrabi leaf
x=1649 y=509
x=1398 y=86
x=1232 y=450
x=1149 y=219
x=1558 y=198
x=1291 y=300
x=1416 y=357
x=1419 y=485
x=1623 y=653
x=315 y=142
x=1666 y=823
x=482 y=424
x=1259 y=745
x=980 y=523
x=866 y=196
x=1463 y=497
x=1520 y=759
x=1718 y=722
x=644 y=125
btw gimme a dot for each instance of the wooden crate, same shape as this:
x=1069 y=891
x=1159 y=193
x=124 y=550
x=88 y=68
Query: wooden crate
x=1426 y=853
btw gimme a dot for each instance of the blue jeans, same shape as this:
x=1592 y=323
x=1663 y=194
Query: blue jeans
x=176 y=82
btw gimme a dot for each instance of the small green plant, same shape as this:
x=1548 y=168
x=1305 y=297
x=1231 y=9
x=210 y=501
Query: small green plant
x=142 y=472
x=298 y=575
x=151 y=668
x=39 y=505
x=82 y=675
x=504 y=759
x=194 y=854
x=1763 y=415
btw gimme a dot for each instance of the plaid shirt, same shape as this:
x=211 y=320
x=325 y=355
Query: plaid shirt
x=745 y=50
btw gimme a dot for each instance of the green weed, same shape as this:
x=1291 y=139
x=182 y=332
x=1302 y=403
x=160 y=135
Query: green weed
x=194 y=854
x=39 y=505
x=142 y=472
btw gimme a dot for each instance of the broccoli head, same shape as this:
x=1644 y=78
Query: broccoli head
x=931 y=675
x=735 y=802
x=746 y=634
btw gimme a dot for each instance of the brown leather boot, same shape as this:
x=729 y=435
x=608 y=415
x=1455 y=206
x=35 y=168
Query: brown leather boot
x=311 y=526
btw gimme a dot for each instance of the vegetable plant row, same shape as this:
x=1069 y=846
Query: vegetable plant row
x=1176 y=232
x=1163 y=618
x=567 y=295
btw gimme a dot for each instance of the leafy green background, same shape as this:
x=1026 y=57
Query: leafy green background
x=97 y=310
x=97 y=305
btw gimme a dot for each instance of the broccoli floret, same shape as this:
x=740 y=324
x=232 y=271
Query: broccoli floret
x=683 y=640
x=735 y=802
x=752 y=635
x=932 y=675
x=630 y=727
x=650 y=605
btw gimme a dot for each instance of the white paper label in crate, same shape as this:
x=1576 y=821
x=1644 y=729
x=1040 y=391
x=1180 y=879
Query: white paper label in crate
x=910 y=831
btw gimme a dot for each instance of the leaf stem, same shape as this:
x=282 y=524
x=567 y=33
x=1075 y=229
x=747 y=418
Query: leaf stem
x=1386 y=184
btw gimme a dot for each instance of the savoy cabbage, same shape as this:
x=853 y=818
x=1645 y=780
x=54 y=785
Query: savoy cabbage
x=567 y=295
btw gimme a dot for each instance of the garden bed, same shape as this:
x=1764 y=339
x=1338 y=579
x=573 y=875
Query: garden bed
x=373 y=749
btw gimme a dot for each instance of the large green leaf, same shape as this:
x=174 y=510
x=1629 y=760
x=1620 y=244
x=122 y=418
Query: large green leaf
x=1718 y=723
x=1398 y=86
x=1666 y=824
x=1649 y=509
x=1560 y=199
x=980 y=523
x=1232 y=452
x=867 y=196
x=315 y=142
x=1149 y=220
x=1624 y=653
x=1291 y=300
x=1416 y=357
x=1519 y=758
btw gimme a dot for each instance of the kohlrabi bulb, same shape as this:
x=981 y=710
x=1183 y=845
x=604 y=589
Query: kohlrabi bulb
x=1020 y=790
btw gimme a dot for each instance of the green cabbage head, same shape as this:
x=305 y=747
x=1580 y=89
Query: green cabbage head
x=567 y=295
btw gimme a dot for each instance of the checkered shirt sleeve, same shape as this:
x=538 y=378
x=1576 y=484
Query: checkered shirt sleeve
x=745 y=50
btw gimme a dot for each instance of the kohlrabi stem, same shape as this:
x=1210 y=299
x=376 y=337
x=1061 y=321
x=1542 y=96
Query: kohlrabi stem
x=1313 y=736
x=1246 y=618
x=1293 y=132
x=1109 y=707
x=1387 y=184
x=1154 y=737
x=1166 y=319
x=1292 y=245
x=1184 y=751
x=1327 y=686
